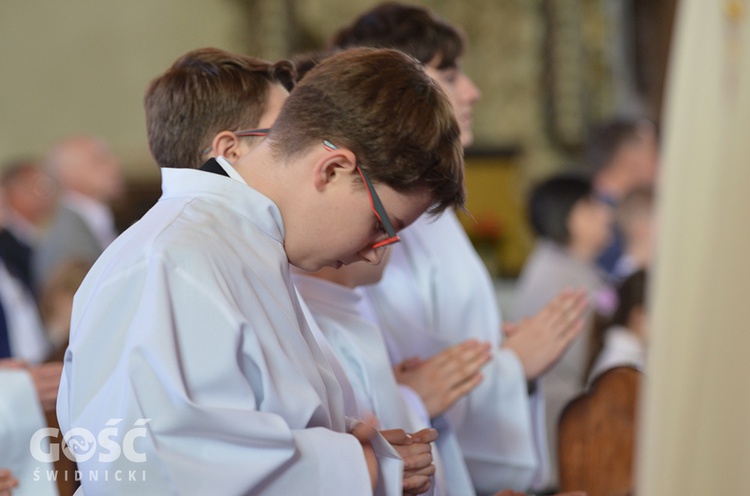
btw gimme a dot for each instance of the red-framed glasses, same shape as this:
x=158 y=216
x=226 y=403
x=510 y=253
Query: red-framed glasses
x=375 y=204
x=252 y=132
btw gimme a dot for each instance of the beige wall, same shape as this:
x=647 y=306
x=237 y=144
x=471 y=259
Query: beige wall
x=81 y=66
x=505 y=60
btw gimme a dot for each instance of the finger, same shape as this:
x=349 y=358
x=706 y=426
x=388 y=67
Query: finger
x=422 y=469
x=572 y=332
x=449 y=354
x=48 y=399
x=47 y=370
x=468 y=373
x=409 y=364
x=12 y=363
x=571 y=322
x=466 y=362
x=418 y=464
x=365 y=430
x=510 y=328
x=397 y=437
x=417 y=485
x=425 y=435
x=413 y=450
x=471 y=353
x=558 y=311
x=47 y=384
x=464 y=388
x=562 y=312
x=7 y=481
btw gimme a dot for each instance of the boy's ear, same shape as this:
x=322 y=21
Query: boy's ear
x=227 y=145
x=334 y=165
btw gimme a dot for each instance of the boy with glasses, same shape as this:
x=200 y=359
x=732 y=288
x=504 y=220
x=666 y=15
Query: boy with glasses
x=334 y=303
x=212 y=358
x=436 y=292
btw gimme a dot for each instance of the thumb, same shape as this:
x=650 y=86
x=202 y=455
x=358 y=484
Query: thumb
x=510 y=328
x=366 y=429
x=410 y=363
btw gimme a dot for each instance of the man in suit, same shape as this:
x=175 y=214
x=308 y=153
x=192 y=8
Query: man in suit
x=622 y=154
x=29 y=194
x=90 y=178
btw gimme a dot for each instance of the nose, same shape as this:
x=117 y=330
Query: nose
x=471 y=90
x=372 y=256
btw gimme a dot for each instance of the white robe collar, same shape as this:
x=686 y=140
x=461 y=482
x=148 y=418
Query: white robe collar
x=247 y=202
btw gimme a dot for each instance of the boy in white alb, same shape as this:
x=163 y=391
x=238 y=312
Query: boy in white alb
x=436 y=292
x=211 y=375
x=334 y=304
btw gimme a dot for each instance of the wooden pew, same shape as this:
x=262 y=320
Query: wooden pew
x=597 y=436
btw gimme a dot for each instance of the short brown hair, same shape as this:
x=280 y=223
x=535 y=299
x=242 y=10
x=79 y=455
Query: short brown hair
x=207 y=91
x=409 y=28
x=382 y=106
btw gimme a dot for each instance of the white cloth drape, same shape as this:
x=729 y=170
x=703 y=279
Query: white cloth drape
x=695 y=436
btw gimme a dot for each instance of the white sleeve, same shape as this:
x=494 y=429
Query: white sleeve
x=493 y=426
x=415 y=404
x=229 y=410
x=20 y=418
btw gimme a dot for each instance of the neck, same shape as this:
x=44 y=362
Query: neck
x=336 y=276
x=262 y=172
x=582 y=252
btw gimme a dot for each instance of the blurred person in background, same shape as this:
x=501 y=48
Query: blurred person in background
x=624 y=338
x=436 y=292
x=30 y=197
x=572 y=227
x=90 y=179
x=636 y=221
x=621 y=154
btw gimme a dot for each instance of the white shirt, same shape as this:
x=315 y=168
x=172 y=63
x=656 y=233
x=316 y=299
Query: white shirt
x=436 y=293
x=621 y=347
x=359 y=348
x=190 y=319
x=28 y=339
x=20 y=418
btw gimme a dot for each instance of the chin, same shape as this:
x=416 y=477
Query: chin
x=307 y=266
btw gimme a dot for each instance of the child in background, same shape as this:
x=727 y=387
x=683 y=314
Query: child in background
x=572 y=227
x=635 y=220
x=335 y=305
x=625 y=338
